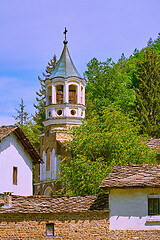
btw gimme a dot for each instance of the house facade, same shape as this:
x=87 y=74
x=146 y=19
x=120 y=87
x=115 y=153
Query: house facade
x=17 y=155
x=134 y=197
x=65 y=108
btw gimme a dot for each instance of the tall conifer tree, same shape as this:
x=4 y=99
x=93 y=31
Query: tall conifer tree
x=148 y=93
x=40 y=111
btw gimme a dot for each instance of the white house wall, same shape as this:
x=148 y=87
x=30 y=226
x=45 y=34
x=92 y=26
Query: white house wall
x=129 y=209
x=12 y=154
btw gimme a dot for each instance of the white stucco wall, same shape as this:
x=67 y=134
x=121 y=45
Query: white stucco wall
x=129 y=209
x=13 y=154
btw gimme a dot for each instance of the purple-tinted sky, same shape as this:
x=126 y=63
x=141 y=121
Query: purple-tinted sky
x=31 y=33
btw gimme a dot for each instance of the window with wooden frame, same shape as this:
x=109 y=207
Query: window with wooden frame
x=15 y=171
x=48 y=161
x=153 y=206
x=49 y=229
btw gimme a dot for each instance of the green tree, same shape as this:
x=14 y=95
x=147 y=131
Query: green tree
x=148 y=93
x=108 y=83
x=40 y=116
x=99 y=144
x=30 y=128
x=22 y=116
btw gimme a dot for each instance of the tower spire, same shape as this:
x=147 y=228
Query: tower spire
x=65 y=33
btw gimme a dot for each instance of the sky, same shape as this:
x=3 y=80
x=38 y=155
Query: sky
x=32 y=32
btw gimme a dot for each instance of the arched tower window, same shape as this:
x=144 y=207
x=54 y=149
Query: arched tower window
x=48 y=161
x=49 y=93
x=72 y=94
x=59 y=94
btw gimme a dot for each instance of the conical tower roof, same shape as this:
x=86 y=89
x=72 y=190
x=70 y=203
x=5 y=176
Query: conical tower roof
x=65 y=66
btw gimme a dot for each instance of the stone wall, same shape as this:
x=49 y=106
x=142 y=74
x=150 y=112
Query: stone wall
x=88 y=225
x=67 y=226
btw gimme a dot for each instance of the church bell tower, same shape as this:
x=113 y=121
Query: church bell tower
x=65 y=107
x=65 y=93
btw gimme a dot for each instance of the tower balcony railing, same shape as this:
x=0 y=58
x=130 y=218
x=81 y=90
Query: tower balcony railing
x=73 y=98
x=59 y=98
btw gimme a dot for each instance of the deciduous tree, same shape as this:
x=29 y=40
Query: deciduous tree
x=99 y=144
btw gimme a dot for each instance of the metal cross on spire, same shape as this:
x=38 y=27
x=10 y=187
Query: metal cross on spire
x=65 y=33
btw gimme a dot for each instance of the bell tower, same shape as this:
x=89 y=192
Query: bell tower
x=65 y=107
x=65 y=93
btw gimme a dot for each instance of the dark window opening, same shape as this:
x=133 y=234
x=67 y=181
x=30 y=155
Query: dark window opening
x=50 y=229
x=48 y=161
x=59 y=112
x=15 y=170
x=72 y=94
x=153 y=206
x=50 y=95
x=73 y=112
x=59 y=94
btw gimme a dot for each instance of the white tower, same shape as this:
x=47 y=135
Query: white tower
x=65 y=93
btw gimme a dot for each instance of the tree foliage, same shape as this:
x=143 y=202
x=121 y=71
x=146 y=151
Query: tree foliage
x=40 y=106
x=99 y=144
x=148 y=93
x=24 y=121
x=108 y=84
x=22 y=116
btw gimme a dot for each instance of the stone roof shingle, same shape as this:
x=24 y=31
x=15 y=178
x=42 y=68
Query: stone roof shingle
x=56 y=204
x=133 y=176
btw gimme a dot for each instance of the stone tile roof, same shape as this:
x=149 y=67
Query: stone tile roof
x=133 y=176
x=7 y=130
x=56 y=204
x=153 y=143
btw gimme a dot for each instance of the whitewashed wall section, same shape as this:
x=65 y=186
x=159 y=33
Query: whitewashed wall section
x=52 y=174
x=13 y=154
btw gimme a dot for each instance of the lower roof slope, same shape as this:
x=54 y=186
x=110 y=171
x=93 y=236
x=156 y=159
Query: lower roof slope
x=55 y=204
x=133 y=176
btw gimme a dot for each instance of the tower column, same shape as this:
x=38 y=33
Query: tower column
x=47 y=96
x=83 y=97
x=53 y=94
x=66 y=93
x=79 y=94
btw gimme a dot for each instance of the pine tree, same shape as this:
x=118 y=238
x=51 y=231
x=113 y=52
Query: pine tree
x=148 y=93
x=150 y=42
x=40 y=106
x=22 y=116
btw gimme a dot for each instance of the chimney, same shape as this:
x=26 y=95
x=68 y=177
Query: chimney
x=7 y=199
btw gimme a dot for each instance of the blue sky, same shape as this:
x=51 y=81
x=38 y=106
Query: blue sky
x=31 y=33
